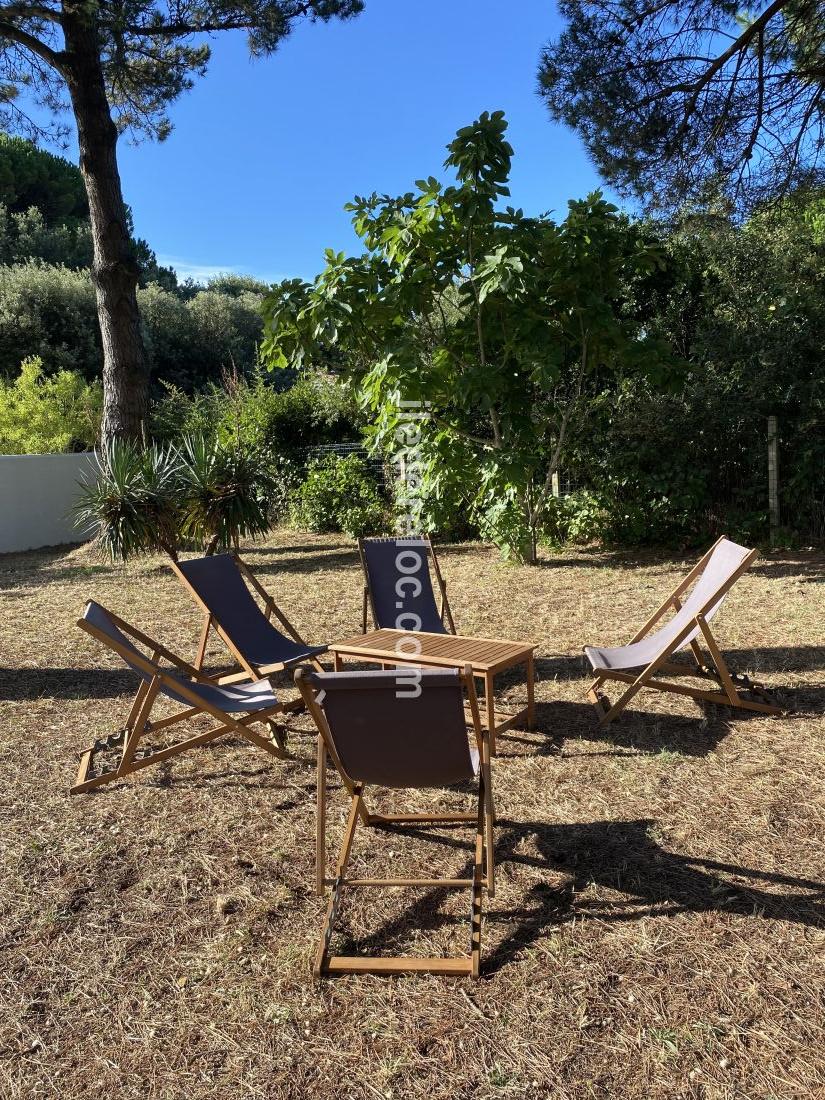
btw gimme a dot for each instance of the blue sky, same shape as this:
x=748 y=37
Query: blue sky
x=264 y=154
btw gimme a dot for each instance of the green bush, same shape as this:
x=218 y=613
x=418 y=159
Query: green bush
x=275 y=423
x=51 y=312
x=203 y=494
x=339 y=494
x=577 y=518
x=41 y=415
x=48 y=312
x=27 y=235
x=192 y=340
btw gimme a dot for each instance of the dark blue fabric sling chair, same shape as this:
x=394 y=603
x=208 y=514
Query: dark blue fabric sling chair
x=403 y=729
x=398 y=586
x=235 y=706
x=222 y=586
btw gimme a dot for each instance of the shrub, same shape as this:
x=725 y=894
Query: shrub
x=48 y=415
x=224 y=493
x=48 y=312
x=51 y=312
x=132 y=505
x=195 y=339
x=274 y=423
x=339 y=494
x=161 y=498
x=577 y=518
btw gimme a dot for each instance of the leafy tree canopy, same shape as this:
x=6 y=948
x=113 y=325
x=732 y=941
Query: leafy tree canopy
x=151 y=52
x=31 y=177
x=495 y=325
x=684 y=99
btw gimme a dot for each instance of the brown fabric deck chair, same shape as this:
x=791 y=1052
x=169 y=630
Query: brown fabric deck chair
x=641 y=663
x=220 y=586
x=398 y=586
x=235 y=706
x=377 y=733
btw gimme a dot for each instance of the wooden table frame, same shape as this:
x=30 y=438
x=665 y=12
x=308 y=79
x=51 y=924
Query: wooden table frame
x=486 y=656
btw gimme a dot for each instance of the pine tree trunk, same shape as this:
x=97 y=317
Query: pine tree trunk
x=115 y=270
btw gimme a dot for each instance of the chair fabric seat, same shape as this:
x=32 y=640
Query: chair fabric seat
x=221 y=587
x=721 y=566
x=400 y=584
x=232 y=698
x=386 y=734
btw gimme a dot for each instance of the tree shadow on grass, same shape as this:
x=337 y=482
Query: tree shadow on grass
x=808 y=568
x=620 y=856
x=623 y=856
x=66 y=683
x=561 y=721
x=337 y=559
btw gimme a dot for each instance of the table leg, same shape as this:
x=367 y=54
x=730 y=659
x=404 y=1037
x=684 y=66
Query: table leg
x=531 y=695
x=490 y=705
x=336 y=662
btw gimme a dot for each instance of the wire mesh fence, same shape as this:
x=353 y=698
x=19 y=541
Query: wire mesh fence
x=374 y=463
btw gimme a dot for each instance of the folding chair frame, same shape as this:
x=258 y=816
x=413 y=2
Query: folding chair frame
x=138 y=723
x=444 y=610
x=714 y=667
x=483 y=875
x=250 y=671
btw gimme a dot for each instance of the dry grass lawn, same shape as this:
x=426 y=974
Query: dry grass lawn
x=658 y=927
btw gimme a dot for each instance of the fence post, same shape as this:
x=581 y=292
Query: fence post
x=773 y=478
x=555 y=484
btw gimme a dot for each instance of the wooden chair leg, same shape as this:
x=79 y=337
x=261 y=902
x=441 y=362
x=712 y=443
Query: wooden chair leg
x=478 y=879
x=204 y=638
x=719 y=662
x=322 y=954
x=321 y=820
x=486 y=796
x=490 y=708
x=531 y=692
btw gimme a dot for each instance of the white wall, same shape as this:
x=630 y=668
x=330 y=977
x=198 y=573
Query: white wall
x=36 y=495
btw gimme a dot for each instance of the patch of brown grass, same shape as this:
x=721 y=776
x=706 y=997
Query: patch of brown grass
x=657 y=930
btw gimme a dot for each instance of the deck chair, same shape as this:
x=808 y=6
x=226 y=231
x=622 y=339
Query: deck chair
x=220 y=586
x=398 y=588
x=235 y=706
x=642 y=662
x=375 y=734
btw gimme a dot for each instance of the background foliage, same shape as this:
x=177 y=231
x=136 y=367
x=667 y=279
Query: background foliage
x=40 y=415
x=500 y=326
x=705 y=326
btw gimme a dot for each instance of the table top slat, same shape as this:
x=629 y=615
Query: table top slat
x=435 y=649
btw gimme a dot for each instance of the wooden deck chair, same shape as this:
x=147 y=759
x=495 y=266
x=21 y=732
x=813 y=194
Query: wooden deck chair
x=376 y=732
x=235 y=706
x=398 y=586
x=220 y=585
x=648 y=657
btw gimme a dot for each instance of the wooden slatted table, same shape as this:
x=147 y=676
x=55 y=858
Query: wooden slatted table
x=487 y=656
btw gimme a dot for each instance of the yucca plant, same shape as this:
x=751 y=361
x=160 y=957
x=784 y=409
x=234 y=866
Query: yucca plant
x=132 y=501
x=226 y=493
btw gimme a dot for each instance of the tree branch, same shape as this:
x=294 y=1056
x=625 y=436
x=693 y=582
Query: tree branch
x=28 y=11
x=180 y=28
x=29 y=42
x=739 y=45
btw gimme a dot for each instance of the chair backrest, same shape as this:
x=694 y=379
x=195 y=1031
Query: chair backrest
x=95 y=615
x=384 y=734
x=400 y=586
x=725 y=563
x=221 y=589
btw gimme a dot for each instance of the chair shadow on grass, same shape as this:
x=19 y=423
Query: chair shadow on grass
x=562 y=722
x=620 y=856
x=334 y=558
